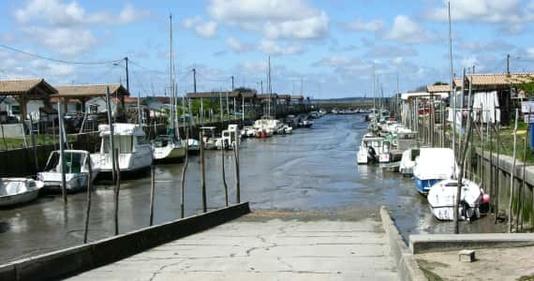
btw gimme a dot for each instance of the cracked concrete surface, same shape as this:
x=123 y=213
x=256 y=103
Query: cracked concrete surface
x=272 y=249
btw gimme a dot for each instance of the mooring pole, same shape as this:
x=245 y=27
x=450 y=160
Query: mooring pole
x=62 y=153
x=152 y=193
x=117 y=190
x=89 y=191
x=202 y=173
x=184 y=169
x=512 y=173
x=237 y=183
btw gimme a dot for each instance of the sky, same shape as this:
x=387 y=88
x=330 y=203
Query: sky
x=322 y=48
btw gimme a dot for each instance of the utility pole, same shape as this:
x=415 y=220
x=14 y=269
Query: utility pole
x=232 y=83
x=127 y=75
x=508 y=64
x=453 y=95
x=269 y=86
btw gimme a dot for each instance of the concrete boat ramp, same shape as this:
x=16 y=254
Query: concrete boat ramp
x=265 y=247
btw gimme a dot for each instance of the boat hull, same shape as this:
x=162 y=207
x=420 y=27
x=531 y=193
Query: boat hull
x=17 y=199
x=423 y=186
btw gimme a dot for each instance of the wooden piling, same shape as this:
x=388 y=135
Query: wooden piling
x=224 y=178
x=512 y=173
x=237 y=178
x=61 y=154
x=202 y=173
x=89 y=193
x=184 y=170
x=152 y=193
x=117 y=190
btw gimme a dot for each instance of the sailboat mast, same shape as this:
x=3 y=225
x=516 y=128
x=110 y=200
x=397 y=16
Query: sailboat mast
x=453 y=95
x=171 y=80
x=269 y=85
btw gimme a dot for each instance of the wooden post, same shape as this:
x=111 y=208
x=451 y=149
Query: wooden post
x=89 y=191
x=237 y=183
x=462 y=164
x=498 y=181
x=224 y=178
x=519 y=227
x=111 y=137
x=184 y=169
x=512 y=173
x=34 y=149
x=117 y=190
x=3 y=136
x=202 y=173
x=152 y=193
x=62 y=154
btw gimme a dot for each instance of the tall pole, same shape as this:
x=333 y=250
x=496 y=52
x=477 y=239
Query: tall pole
x=202 y=174
x=111 y=138
x=61 y=152
x=269 y=86
x=453 y=95
x=127 y=75
x=171 y=80
x=508 y=64
x=89 y=191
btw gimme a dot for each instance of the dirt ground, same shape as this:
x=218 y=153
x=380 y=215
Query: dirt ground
x=491 y=264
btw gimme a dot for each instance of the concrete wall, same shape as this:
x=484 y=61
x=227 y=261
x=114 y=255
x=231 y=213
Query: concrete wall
x=71 y=261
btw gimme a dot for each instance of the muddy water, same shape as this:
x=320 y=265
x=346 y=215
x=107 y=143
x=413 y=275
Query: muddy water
x=311 y=171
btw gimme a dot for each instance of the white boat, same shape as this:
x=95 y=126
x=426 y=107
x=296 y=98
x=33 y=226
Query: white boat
x=76 y=171
x=209 y=138
x=167 y=148
x=264 y=127
x=407 y=162
x=248 y=132
x=135 y=153
x=373 y=149
x=229 y=138
x=442 y=197
x=14 y=191
x=193 y=145
x=434 y=165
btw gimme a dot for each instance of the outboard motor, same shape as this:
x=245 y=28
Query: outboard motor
x=373 y=157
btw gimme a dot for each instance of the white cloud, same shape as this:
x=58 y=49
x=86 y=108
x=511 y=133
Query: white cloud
x=292 y=19
x=406 y=30
x=238 y=46
x=273 y=48
x=67 y=41
x=308 y=28
x=530 y=53
x=61 y=13
x=65 y=26
x=479 y=10
x=369 y=26
x=206 y=29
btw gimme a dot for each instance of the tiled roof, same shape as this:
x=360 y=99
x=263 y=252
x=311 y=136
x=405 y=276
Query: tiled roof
x=94 y=90
x=18 y=87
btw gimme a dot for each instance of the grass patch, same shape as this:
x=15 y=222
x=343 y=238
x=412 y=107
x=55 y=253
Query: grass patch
x=11 y=143
x=526 y=278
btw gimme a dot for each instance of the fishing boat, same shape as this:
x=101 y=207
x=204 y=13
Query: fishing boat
x=15 y=191
x=442 y=197
x=135 y=153
x=168 y=148
x=373 y=149
x=230 y=137
x=433 y=165
x=407 y=162
x=76 y=171
x=263 y=127
x=208 y=137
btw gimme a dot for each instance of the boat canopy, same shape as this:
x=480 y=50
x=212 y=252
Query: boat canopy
x=435 y=163
x=121 y=129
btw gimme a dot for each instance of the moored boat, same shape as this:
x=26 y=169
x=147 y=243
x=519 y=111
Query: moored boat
x=76 y=171
x=442 y=197
x=15 y=191
x=168 y=148
x=135 y=152
x=433 y=165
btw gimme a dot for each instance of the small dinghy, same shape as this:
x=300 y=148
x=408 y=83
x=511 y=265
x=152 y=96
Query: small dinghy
x=442 y=197
x=14 y=191
x=193 y=146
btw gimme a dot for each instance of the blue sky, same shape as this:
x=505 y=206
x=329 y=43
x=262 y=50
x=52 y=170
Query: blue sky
x=331 y=45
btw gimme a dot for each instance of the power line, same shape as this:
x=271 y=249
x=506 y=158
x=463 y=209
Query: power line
x=57 y=60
